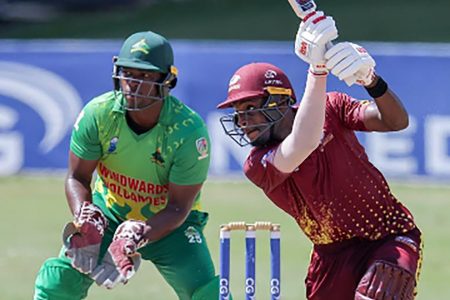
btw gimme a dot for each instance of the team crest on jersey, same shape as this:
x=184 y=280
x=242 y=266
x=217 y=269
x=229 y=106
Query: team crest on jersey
x=202 y=147
x=113 y=144
x=157 y=157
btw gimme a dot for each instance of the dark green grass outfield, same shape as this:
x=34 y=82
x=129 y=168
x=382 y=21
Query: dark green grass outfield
x=34 y=210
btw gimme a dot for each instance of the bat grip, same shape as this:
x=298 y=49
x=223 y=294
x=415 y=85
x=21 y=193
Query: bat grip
x=329 y=45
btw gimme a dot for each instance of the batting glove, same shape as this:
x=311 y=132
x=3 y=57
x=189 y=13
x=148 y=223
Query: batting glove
x=313 y=37
x=83 y=236
x=351 y=63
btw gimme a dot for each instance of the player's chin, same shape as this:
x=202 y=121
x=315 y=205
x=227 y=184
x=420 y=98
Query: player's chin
x=138 y=102
x=132 y=98
x=253 y=134
x=259 y=140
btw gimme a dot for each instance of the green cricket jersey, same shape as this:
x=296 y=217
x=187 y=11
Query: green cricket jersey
x=134 y=170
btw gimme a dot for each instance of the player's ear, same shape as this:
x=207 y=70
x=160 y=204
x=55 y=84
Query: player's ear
x=291 y=101
x=172 y=77
x=173 y=83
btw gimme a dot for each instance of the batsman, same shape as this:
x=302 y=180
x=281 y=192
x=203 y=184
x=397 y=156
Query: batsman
x=151 y=155
x=308 y=161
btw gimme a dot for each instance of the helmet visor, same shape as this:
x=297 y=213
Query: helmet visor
x=240 y=127
x=139 y=93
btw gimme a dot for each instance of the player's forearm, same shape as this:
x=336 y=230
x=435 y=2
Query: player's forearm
x=310 y=117
x=391 y=110
x=77 y=192
x=307 y=127
x=166 y=221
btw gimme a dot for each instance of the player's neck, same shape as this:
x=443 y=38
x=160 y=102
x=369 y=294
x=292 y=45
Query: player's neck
x=281 y=130
x=142 y=121
x=285 y=126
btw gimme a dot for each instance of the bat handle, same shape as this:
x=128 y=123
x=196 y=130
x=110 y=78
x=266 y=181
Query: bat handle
x=302 y=8
x=329 y=45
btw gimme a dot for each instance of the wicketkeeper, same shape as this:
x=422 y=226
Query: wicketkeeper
x=151 y=154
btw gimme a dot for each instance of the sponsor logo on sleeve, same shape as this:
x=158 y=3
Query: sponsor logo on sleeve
x=202 y=148
x=268 y=157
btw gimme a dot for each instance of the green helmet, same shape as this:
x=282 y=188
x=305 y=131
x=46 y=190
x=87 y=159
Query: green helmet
x=147 y=51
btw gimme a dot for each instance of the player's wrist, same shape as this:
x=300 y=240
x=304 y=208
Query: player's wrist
x=80 y=206
x=318 y=70
x=91 y=214
x=135 y=232
x=147 y=233
x=373 y=81
x=377 y=88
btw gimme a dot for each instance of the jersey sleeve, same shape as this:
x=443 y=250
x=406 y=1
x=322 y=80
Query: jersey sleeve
x=192 y=159
x=349 y=111
x=260 y=170
x=85 y=142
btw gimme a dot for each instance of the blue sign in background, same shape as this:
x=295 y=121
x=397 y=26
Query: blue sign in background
x=43 y=85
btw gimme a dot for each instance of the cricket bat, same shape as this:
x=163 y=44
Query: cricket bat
x=303 y=7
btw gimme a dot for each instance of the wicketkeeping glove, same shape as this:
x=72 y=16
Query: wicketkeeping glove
x=351 y=63
x=313 y=37
x=128 y=238
x=107 y=274
x=83 y=236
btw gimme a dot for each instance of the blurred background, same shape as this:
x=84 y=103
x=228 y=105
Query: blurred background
x=382 y=20
x=56 y=55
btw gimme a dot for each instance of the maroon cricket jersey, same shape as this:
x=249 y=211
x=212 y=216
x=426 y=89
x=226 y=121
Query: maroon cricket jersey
x=336 y=193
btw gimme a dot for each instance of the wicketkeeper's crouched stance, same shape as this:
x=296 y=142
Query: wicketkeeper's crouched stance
x=151 y=154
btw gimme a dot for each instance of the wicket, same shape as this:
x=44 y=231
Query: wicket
x=250 y=245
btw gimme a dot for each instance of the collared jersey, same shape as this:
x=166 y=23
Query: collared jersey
x=134 y=170
x=336 y=193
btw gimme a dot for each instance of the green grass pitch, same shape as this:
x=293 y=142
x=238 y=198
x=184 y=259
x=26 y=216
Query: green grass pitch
x=34 y=211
